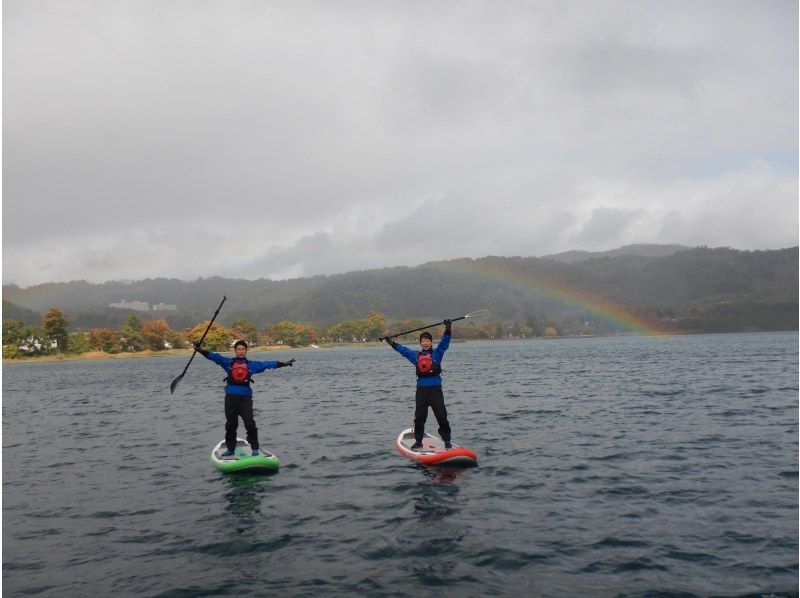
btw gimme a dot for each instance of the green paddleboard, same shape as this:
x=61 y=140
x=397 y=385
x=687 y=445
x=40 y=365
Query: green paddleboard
x=243 y=461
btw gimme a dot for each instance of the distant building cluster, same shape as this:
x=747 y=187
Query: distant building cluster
x=165 y=307
x=134 y=305
x=143 y=306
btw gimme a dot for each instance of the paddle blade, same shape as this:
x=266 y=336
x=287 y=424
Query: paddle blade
x=481 y=313
x=174 y=384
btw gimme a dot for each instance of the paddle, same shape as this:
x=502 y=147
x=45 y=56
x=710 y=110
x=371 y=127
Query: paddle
x=178 y=379
x=474 y=314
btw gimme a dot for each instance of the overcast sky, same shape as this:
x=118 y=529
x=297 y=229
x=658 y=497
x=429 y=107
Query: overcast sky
x=281 y=139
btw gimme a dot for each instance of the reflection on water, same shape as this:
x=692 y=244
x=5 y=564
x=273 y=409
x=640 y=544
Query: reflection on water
x=246 y=493
x=432 y=506
x=444 y=475
x=439 y=497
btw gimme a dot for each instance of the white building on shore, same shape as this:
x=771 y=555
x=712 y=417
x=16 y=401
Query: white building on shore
x=134 y=305
x=165 y=307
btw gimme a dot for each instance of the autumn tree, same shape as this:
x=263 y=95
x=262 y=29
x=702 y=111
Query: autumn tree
x=55 y=323
x=246 y=330
x=306 y=334
x=104 y=339
x=155 y=334
x=466 y=331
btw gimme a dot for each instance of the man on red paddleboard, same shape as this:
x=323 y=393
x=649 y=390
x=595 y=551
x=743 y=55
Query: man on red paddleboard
x=428 y=363
x=238 y=394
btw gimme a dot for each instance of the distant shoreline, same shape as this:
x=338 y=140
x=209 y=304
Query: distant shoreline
x=100 y=355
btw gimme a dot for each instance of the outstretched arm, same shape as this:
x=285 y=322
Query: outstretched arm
x=256 y=367
x=220 y=360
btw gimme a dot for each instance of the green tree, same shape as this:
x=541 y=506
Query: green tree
x=131 y=337
x=175 y=340
x=374 y=325
x=282 y=332
x=55 y=325
x=345 y=332
x=78 y=342
x=14 y=332
x=11 y=352
x=410 y=324
x=357 y=331
x=297 y=334
x=134 y=323
x=219 y=338
x=131 y=340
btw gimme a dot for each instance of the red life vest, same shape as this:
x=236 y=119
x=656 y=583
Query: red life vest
x=240 y=373
x=426 y=366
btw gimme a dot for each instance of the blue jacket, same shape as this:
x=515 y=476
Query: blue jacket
x=437 y=355
x=255 y=367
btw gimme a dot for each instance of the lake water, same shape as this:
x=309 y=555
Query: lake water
x=608 y=466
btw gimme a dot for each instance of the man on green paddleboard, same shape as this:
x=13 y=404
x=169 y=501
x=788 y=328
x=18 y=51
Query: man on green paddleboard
x=238 y=394
x=429 y=382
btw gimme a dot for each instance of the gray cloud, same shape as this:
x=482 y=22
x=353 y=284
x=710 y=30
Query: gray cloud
x=607 y=223
x=146 y=138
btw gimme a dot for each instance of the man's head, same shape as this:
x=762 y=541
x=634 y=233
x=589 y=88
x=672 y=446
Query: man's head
x=425 y=341
x=241 y=348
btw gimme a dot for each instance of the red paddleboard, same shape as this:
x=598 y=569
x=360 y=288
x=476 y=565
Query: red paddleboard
x=433 y=451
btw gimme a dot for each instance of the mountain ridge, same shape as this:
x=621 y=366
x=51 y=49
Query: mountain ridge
x=679 y=285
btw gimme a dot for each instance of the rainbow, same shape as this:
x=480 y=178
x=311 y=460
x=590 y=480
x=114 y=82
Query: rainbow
x=520 y=275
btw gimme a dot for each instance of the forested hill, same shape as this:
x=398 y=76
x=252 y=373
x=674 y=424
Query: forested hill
x=697 y=289
x=641 y=249
x=15 y=312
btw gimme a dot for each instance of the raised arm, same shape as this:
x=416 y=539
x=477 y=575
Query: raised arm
x=444 y=344
x=409 y=354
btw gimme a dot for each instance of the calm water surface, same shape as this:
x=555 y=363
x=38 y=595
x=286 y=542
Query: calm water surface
x=608 y=466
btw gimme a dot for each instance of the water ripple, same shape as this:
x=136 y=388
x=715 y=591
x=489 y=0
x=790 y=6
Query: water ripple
x=618 y=467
